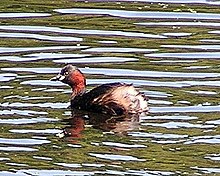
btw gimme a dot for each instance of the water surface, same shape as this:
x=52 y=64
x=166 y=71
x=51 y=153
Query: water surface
x=169 y=50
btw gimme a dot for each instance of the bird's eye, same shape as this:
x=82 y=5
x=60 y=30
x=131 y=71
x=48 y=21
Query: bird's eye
x=66 y=73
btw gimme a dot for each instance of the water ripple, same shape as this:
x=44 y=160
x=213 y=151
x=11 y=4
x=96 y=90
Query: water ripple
x=42 y=83
x=177 y=34
x=42 y=158
x=140 y=14
x=102 y=81
x=214 y=157
x=23 y=15
x=26 y=97
x=197 y=67
x=119 y=50
x=6 y=87
x=173 y=61
x=149 y=173
x=115 y=157
x=123 y=145
x=214 y=122
x=181 y=23
x=17 y=164
x=155 y=74
x=21 y=112
x=130 y=81
x=169 y=117
x=40 y=37
x=55 y=55
x=107 y=42
x=42 y=56
x=44 y=131
x=69 y=165
x=157 y=135
x=201 y=92
x=204 y=140
x=177 y=125
x=42 y=105
x=164 y=102
x=21 y=121
x=188 y=109
x=210 y=40
x=7 y=76
x=23 y=141
x=193 y=55
x=157 y=83
x=79 y=165
x=96 y=60
x=157 y=94
x=81 y=32
x=207 y=170
x=28 y=172
x=48 y=70
x=18 y=149
x=135 y=172
x=209 y=2
x=198 y=47
x=214 y=32
x=117 y=72
x=26 y=49
x=4 y=159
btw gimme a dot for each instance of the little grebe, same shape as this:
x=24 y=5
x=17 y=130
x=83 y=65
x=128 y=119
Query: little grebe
x=112 y=98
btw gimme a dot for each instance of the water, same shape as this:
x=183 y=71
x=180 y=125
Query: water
x=79 y=31
x=168 y=49
x=140 y=14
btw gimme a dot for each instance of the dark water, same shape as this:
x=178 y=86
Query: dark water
x=170 y=50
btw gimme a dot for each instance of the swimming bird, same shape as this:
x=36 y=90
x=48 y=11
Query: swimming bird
x=112 y=98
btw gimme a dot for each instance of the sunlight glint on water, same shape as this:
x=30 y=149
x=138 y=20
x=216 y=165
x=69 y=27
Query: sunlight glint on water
x=169 y=50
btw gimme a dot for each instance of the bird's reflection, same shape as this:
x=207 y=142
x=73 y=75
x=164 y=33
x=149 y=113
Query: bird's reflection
x=76 y=124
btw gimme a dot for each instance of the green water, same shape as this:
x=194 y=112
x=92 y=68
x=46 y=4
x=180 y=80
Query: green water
x=179 y=135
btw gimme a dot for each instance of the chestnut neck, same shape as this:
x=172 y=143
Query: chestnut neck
x=78 y=83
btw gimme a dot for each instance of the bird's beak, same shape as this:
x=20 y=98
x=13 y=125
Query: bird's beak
x=59 y=77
